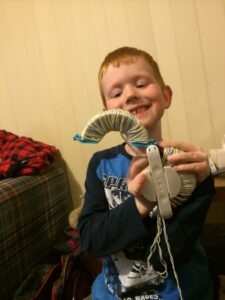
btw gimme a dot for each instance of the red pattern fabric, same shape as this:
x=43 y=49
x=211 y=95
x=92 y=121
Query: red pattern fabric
x=23 y=156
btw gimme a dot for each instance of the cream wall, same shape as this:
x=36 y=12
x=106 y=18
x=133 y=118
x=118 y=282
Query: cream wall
x=50 y=52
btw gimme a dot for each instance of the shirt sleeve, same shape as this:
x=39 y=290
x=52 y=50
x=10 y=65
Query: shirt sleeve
x=105 y=231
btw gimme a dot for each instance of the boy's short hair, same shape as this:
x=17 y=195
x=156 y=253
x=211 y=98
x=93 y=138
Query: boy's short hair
x=127 y=55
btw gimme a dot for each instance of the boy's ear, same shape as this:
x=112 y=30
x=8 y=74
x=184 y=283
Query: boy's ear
x=167 y=93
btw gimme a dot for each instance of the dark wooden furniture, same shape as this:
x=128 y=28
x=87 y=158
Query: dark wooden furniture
x=220 y=188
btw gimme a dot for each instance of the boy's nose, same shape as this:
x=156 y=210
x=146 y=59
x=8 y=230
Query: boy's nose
x=130 y=94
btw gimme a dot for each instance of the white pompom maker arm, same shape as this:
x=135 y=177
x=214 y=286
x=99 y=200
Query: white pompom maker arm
x=162 y=182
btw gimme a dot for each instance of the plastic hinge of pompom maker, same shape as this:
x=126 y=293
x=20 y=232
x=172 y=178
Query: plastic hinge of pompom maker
x=162 y=183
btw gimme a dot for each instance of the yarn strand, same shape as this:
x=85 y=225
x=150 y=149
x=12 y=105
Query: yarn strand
x=161 y=229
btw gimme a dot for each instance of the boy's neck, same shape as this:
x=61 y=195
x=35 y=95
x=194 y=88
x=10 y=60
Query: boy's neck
x=155 y=133
x=135 y=151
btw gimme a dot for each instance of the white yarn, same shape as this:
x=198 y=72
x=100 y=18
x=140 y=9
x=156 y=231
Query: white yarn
x=188 y=180
x=161 y=229
x=114 y=120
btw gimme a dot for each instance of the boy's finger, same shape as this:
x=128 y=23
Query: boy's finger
x=136 y=166
x=184 y=146
x=135 y=185
x=187 y=157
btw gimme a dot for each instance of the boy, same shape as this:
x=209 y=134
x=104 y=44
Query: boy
x=117 y=222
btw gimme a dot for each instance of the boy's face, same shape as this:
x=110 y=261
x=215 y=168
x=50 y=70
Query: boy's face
x=134 y=88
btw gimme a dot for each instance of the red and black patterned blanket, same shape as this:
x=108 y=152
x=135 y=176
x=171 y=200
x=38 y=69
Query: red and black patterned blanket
x=23 y=156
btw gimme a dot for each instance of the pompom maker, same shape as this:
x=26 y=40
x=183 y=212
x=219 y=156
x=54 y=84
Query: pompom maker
x=162 y=182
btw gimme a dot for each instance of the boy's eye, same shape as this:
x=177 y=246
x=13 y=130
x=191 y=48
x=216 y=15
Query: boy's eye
x=141 y=83
x=115 y=94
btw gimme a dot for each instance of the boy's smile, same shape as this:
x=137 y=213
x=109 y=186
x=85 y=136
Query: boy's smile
x=139 y=110
x=134 y=88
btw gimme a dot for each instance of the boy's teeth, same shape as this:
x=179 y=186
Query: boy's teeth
x=141 y=109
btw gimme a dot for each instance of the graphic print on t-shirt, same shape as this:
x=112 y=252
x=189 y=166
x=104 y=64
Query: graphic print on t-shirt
x=115 y=190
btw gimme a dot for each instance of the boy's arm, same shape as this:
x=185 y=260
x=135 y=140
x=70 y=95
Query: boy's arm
x=104 y=231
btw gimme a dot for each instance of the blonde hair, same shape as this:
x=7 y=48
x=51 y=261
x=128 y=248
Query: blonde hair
x=127 y=55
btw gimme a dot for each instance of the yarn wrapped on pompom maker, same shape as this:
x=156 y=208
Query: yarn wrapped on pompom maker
x=163 y=184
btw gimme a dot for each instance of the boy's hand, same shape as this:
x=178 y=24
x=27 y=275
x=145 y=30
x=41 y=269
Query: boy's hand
x=135 y=183
x=193 y=159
